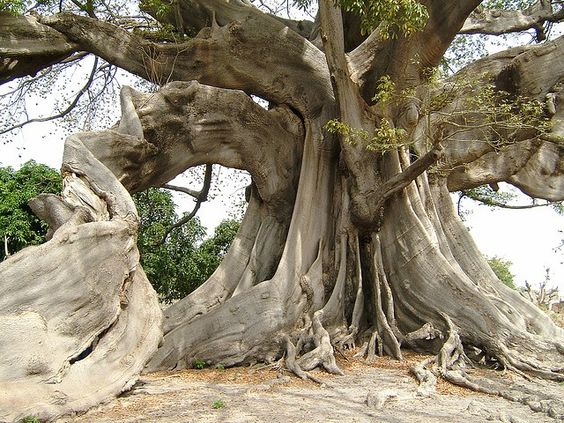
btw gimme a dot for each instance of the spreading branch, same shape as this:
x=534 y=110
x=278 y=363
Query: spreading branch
x=506 y=150
x=497 y=22
x=492 y=202
x=26 y=47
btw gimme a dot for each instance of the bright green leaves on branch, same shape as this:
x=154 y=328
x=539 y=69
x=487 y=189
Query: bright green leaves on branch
x=384 y=138
x=508 y=4
x=19 y=7
x=159 y=8
x=16 y=7
x=395 y=17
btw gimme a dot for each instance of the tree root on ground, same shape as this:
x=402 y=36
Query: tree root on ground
x=450 y=364
x=322 y=354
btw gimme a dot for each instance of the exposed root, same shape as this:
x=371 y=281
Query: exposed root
x=323 y=354
x=385 y=335
x=426 y=377
x=425 y=332
x=451 y=357
x=293 y=366
x=450 y=363
x=348 y=341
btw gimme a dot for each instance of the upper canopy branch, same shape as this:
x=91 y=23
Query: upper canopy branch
x=289 y=71
x=200 y=196
x=27 y=47
x=194 y=15
x=483 y=147
x=408 y=58
x=496 y=21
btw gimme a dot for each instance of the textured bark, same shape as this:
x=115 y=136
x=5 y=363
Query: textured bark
x=79 y=317
x=339 y=245
x=27 y=47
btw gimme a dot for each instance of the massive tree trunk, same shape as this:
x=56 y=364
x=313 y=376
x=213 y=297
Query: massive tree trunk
x=340 y=245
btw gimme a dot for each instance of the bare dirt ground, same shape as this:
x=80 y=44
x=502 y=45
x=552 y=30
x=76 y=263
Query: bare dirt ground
x=383 y=391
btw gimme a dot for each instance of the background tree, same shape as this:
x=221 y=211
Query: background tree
x=544 y=295
x=19 y=227
x=501 y=268
x=350 y=237
x=185 y=259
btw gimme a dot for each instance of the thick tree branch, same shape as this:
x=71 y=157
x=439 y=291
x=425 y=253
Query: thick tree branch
x=291 y=71
x=189 y=124
x=472 y=157
x=195 y=15
x=347 y=93
x=445 y=21
x=188 y=191
x=403 y=179
x=27 y=47
x=428 y=45
x=496 y=22
x=487 y=201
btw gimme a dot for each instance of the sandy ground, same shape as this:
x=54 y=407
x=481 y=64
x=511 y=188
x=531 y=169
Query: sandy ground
x=381 y=392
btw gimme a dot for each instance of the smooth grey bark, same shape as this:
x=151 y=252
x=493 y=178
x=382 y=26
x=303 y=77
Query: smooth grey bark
x=339 y=245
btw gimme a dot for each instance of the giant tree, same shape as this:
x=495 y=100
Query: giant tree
x=350 y=236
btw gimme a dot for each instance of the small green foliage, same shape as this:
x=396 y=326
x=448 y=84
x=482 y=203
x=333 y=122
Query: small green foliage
x=349 y=135
x=217 y=404
x=12 y=7
x=494 y=115
x=19 y=7
x=558 y=207
x=396 y=17
x=220 y=366
x=199 y=364
x=385 y=89
x=387 y=92
x=385 y=138
x=501 y=268
x=507 y=4
x=30 y=419
x=159 y=8
x=488 y=196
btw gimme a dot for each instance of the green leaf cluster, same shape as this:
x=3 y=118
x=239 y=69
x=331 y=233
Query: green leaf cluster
x=507 y=4
x=385 y=137
x=19 y=7
x=13 y=7
x=159 y=8
x=488 y=196
x=501 y=268
x=18 y=225
x=396 y=17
